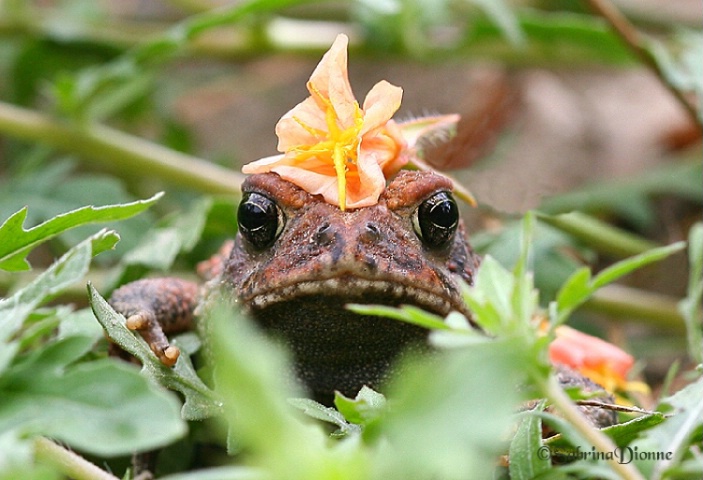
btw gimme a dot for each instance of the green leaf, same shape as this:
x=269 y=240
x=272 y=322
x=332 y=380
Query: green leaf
x=501 y=14
x=405 y=313
x=450 y=412
x=623 y=267
x=318 y=411
x=16 y=242
x=494 y=286
x=176 y=234
x=579 y=287
x=624 y=433
x=200 y=401
x=683 y=70
x=674 y=436
x=690 y=307
x=527 y=454
x=460 y=333
x=575 y=291
x=70 y=268
x=220 y=473
x=250 y=373
x=551 y=253
x=103 y=407
x=364 y=409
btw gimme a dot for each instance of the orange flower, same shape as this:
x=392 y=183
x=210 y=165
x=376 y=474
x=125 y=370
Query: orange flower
x=333 y=147
x=602 y=362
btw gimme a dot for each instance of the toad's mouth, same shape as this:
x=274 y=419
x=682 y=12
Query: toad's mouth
x=335 y=348
x=358 y=290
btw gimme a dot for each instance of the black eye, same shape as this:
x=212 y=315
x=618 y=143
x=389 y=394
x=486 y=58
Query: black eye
x=436 y=220
x=260 y=220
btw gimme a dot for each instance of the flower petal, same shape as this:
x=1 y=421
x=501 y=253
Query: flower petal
x=364 y=188
x=290 y=130
x=330 y=80
x=263 y=165
x=579 y=350
x=381 y=103
x=310 y=181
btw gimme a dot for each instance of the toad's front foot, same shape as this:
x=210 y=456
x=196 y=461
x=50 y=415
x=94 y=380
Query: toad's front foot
x=155 y=307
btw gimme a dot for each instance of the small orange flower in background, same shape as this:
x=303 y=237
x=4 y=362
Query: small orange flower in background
x=335 y=148
x=602 y=362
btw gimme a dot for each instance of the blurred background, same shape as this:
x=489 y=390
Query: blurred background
x=559 y=113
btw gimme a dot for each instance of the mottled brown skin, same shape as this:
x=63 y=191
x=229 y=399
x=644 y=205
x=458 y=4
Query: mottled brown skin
x=323 y=259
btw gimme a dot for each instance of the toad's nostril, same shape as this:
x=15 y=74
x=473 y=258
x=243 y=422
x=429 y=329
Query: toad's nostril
x=371 y=231
x=324 y=234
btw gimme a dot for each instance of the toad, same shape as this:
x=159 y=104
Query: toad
x=330 y=221
x=297 y=261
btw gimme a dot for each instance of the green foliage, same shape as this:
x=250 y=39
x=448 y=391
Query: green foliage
x=48 y=388
x=691 y=307
x=199 y=401
x=580 y=286
x=16 y=242
x=449 y=415
x=632 y=199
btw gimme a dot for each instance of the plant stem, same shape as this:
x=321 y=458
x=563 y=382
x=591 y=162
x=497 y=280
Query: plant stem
x=637 y=43
x=68 y=462
x=125 y=154
x=655 y=309
x=599 y=235
x=602 y=442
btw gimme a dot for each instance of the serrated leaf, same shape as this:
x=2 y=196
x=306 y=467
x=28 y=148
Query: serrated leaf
x=200 y=401
x=103 y=407
x=16 y=242
x=527 y=458
x=70 y=268
x=624 y=433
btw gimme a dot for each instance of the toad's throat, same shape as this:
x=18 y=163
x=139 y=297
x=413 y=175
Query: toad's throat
x=335 y=348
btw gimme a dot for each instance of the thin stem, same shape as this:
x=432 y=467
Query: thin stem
x=599 y=235
x=652 y=308
x=601 y=442
x=68 y=462
x=126 y=154
x=637 y=43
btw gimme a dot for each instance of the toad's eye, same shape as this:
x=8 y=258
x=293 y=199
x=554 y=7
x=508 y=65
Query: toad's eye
x=436 y=220
x=260 y=220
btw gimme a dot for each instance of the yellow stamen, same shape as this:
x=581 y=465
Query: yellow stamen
x=337 y=147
